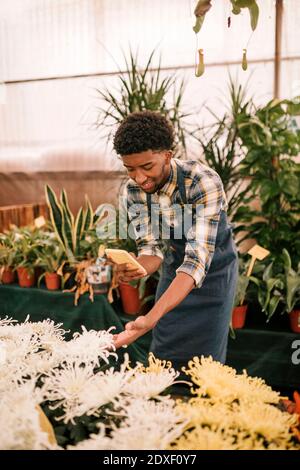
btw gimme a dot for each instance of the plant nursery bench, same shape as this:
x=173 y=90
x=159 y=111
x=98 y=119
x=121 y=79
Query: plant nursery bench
x=263 y=353
x=271 y=355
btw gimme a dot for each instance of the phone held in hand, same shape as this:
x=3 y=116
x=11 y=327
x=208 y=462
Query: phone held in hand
x=122 y=257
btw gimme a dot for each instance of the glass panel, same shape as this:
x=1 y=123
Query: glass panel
x=290 y=30
x=290 y=78
x=68 y=37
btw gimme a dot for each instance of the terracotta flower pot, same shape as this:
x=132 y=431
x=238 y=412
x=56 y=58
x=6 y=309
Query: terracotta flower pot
x=8 y=276
x=25 y=278
x=295 y=320
x=52 y=281
x=130 y=298
x=239 y=316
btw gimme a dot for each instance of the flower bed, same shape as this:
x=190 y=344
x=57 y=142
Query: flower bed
x=92 y=403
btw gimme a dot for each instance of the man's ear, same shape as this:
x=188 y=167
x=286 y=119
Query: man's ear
x=168 y=156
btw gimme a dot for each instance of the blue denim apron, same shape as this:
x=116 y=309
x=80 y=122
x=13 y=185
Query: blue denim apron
x=199 y=325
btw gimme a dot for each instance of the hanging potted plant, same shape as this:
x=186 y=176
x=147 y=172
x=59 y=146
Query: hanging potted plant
x=7 y=258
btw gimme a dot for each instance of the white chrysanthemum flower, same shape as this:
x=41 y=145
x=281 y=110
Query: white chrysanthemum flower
x=107 y=388
x=151 y=384
x=20 y=338
x=49 y=333
x=40 y=363
x=10 y=377
x=6 y=321
x=80 y=391
x=65 y=385
x=89 y=347
x=148 y=425
x=43 y=334
x=3 y=354
x=19 y=420
x=152 y=380
x=18 y=349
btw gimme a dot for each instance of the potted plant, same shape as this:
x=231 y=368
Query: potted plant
x=279 y=289
x=7 y=258
x=137 y=295
x=291 y=297
x=50 y=259
x=271 y=139
x=268 y=290
x=27 y=246
x=71 y=232
x=129 y=293
x=240 y=304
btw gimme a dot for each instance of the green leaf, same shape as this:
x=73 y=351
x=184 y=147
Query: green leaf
x=292 y=289
x=268 y=272
x=77 y=231
x=88 y=222
x=198 y=24
x=272 y=307
x=56 y=213
x=254 y=14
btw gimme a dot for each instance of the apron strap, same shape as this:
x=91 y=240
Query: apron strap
x=181 y=187
x=181 y=184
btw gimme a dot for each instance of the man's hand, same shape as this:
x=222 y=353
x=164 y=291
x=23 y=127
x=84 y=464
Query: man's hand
x=133 y=330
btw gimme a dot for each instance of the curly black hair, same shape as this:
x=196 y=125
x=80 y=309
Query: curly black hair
x=142 y=131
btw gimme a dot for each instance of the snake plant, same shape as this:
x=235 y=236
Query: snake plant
x=69 y=230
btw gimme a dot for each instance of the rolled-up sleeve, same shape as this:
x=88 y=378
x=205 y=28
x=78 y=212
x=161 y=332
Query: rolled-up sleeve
x=206 y=196
x=140 y=226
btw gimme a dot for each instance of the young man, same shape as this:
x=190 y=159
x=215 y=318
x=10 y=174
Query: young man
x=195 y=293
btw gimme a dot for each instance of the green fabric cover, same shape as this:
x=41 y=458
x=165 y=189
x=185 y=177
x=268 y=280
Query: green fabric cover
x=266 y=354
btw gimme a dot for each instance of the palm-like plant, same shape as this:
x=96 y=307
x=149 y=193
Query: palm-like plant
x=143 y=89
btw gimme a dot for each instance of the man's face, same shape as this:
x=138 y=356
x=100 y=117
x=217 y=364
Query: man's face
x=149 y=169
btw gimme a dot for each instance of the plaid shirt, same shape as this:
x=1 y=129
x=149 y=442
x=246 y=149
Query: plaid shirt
x=203 y=186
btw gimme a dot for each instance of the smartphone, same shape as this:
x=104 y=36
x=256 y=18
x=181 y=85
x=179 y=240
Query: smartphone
x=122 y=257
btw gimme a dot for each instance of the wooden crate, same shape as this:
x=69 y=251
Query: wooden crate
x=21 y=215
